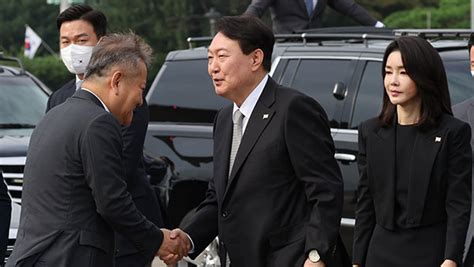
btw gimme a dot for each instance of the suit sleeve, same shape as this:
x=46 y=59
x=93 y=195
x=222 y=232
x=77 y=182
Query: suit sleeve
x=258 y=7
x=101 y=149
x=203 y=227
x=458 y=195
x=353 y=10
x=365 y=211
x=133 y=138
x=311 y=149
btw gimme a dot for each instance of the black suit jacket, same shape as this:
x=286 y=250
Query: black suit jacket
x=60 y=95
x=284 y=196
x=289 y=16
x=440 y=183
x=138 y=185
x=5 y=214
x=74 y=193
x=465 y=112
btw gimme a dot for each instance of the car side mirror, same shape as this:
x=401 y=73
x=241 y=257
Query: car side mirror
x=339 y=91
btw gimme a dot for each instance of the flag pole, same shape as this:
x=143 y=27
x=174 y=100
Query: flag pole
x=51 y=51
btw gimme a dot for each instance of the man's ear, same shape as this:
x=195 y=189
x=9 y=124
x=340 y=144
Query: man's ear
x=257 y=59
x=117 y=77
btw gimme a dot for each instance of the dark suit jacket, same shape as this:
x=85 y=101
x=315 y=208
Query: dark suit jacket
x=5 y=214
x=138 y=185
x=284 y=196
x=74 y=194
x=289 y=16
x=60 y=95
x=465 y=111
x=440 y=183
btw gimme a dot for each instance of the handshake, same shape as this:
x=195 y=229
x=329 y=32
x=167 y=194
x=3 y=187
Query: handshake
x=176 y=245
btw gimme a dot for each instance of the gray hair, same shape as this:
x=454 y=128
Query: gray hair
x=118 y=49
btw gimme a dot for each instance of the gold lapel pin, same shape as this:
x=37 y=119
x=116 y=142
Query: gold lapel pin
x=437 y=139
x=265 y=116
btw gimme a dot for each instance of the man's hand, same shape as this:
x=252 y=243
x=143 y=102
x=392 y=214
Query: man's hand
x=308 y=263
x=449 y=263
x=175 y=246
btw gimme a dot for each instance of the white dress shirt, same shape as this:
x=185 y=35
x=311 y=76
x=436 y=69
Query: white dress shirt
x=103 y=104
x=249 y=103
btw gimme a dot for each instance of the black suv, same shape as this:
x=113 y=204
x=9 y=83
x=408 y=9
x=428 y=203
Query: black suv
x=342 y=71
x=22 y=104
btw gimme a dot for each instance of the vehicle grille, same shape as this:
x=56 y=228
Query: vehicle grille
x=13 y=168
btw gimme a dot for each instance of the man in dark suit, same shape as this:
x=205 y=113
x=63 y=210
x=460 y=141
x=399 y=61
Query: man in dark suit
x=74 y=193
x=5 y=214
x=81 y=25
x=80 y=28
x=289 y=16
x=465 y=112
x=276 y=195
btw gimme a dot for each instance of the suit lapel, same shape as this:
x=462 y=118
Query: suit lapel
x=302 y=5
x=262 y=114
x=383 y=168
x=319 y=8
x=222 y=142
x=425 y=150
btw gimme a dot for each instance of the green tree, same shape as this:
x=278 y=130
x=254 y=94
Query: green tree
x=448 y=14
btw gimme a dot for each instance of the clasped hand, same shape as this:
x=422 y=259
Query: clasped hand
x=175 y=246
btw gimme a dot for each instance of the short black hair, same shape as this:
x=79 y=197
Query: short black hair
x=470 y=43
x=251 y=33
x=84 y=12
x=425 y=67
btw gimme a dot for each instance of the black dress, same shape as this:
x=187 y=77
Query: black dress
x=418 y=247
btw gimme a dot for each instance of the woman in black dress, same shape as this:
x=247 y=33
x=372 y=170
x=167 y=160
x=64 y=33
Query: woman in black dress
x=415 y=167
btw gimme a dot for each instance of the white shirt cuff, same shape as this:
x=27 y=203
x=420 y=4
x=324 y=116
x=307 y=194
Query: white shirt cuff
x=191 y=250
x=379 y=24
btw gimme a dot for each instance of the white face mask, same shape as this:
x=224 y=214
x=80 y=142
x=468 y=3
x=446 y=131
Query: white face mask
x=76 y=57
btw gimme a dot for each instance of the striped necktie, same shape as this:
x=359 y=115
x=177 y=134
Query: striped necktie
x=236 y=137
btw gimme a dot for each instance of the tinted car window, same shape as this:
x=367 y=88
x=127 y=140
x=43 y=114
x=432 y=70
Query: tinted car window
x=369 y=97
x=21 y=101
x=317 y=77
x=176 y=99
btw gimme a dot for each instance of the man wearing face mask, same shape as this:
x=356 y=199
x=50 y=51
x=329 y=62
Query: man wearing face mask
x=465 y=112
x=80 y=28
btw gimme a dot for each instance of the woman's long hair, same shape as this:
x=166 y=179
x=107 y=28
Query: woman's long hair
x=425 y=67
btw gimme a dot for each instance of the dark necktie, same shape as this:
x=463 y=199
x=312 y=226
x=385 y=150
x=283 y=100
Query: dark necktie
x=309 y=7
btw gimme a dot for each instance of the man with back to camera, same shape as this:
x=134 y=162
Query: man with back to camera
x=80 y=28
x=74 y=193
x=5 y=214
x=465 y=112
x=289 y=16
x=276 y=195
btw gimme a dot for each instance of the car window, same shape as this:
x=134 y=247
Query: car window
x=369 y=96
x=21 y=101
x=184 y=93
x=317 y=77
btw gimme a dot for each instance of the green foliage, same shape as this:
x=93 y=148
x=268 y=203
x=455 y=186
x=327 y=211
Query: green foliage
x=449 y=14
x=165 y=24
x=49 y=69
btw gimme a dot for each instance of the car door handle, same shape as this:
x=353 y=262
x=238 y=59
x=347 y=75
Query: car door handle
x=344 y=157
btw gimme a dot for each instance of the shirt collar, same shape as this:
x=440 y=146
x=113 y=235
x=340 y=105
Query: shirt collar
x=103 y=104
x=249 y=103
x=78 y=83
